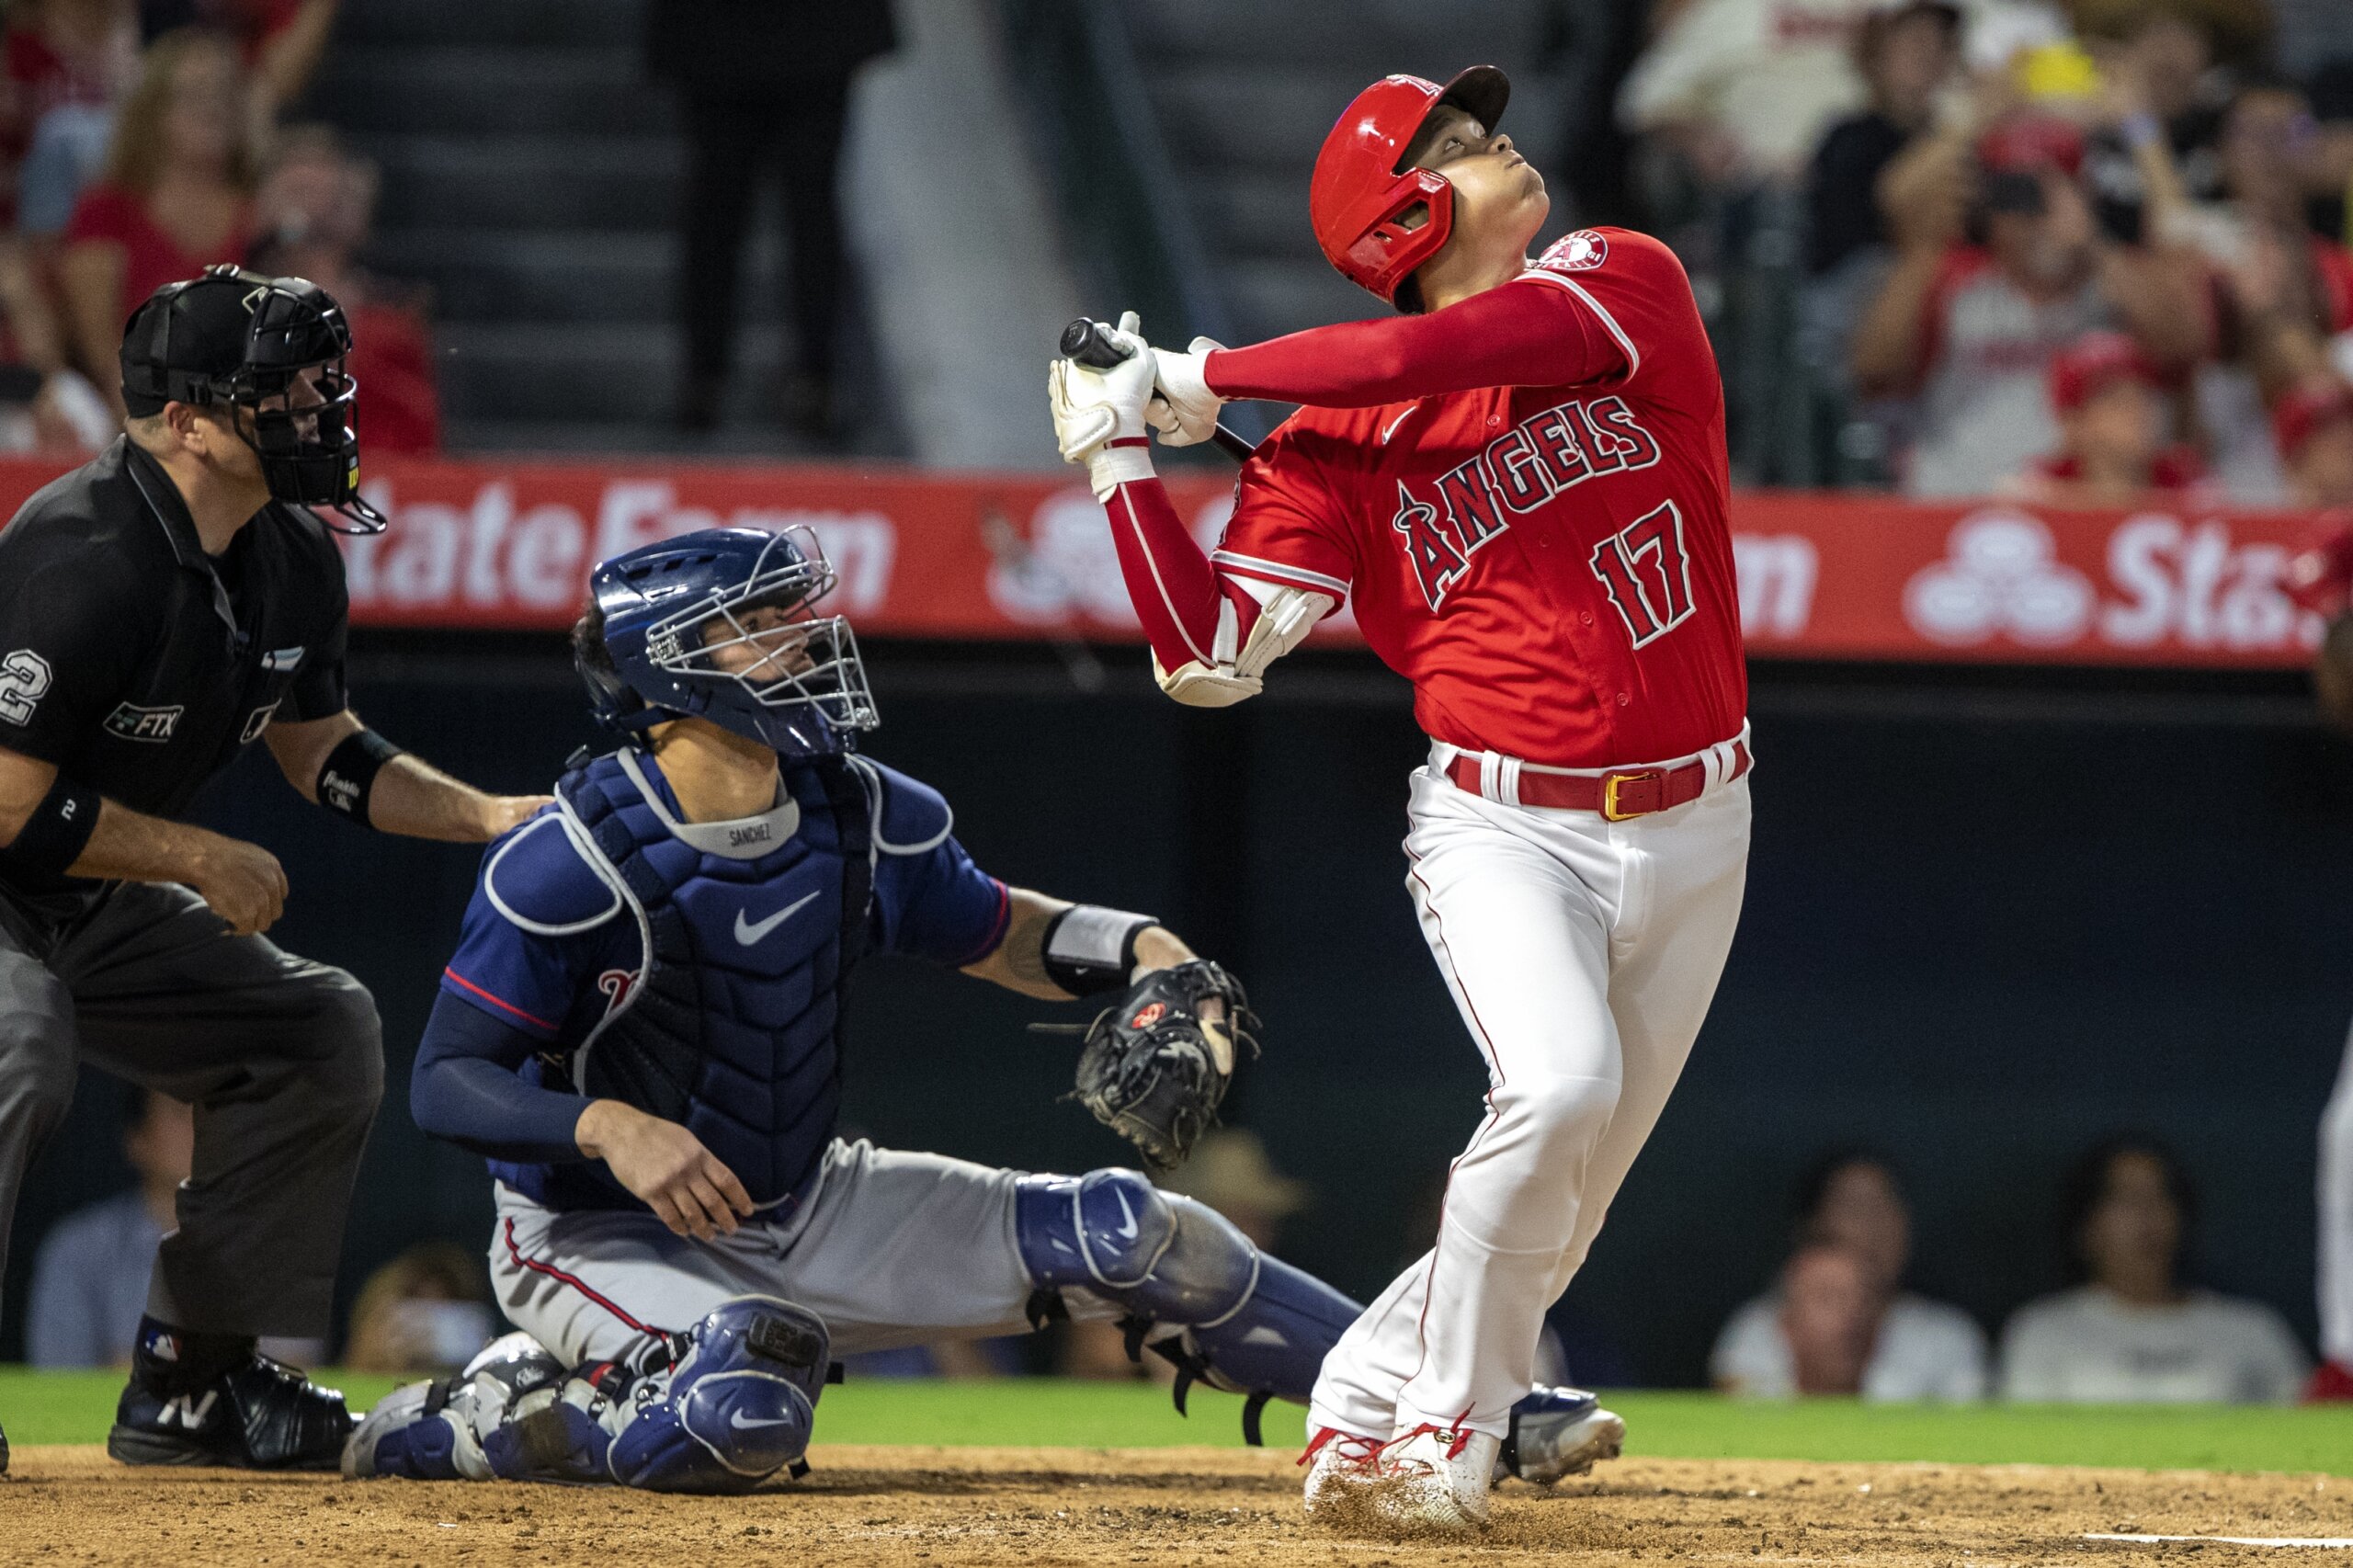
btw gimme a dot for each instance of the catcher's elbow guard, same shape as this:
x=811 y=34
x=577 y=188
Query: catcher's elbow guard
x=1195 y=685
x=1088 y=949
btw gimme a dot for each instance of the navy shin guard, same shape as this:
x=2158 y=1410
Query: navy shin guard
x=1195 y=1289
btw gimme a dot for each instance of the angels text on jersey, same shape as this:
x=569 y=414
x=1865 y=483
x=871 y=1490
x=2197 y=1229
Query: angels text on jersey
x=1441 y=525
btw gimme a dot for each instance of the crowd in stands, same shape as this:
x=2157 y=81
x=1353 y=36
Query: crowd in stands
x=2130 y=1330
x=142 y=141
x=2074 y=250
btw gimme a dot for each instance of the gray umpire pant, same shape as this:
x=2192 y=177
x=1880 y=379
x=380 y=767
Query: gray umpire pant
x=283 y=1059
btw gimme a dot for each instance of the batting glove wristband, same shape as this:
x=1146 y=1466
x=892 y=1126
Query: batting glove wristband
x=1099 y=415
x=1186 y=411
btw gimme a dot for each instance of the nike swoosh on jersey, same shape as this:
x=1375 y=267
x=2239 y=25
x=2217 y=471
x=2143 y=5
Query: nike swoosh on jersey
x=1393 y=424
x=740 y=1424
x=748 y=933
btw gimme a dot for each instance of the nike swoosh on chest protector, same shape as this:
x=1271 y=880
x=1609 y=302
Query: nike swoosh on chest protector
x=747 y=933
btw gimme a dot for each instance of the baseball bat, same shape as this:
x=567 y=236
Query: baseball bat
x=1090 y=343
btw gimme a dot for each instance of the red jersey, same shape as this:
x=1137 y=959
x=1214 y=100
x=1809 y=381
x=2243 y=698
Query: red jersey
x=1548 y=561
x=152 y=257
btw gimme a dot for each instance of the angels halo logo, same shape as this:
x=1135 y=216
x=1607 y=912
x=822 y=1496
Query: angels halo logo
x=1579 y=251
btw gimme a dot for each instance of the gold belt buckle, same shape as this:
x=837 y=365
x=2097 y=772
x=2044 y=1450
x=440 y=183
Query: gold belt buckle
x=1611 y=785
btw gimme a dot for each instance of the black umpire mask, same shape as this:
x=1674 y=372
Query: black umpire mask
x=241 y=342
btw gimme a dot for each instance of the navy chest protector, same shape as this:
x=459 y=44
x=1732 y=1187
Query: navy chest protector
x=732 y=1028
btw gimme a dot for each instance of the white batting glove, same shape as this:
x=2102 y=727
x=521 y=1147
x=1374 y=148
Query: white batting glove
x=1186 y=411
x=1094 y=408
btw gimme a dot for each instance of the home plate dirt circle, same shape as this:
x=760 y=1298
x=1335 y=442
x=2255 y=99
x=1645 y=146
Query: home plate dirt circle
x=1079 y=1507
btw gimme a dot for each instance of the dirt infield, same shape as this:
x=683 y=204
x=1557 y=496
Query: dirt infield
x=1192 y=1506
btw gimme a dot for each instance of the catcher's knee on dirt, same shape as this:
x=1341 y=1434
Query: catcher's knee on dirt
x=436 y=1431
x=1195 y=1290
x=738 y=1407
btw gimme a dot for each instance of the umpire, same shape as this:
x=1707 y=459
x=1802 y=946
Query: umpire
x=161 y=607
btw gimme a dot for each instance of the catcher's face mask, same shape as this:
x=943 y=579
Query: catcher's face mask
x=722 y=625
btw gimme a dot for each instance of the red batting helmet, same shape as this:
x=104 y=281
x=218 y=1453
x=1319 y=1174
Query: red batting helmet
x=1359 y=199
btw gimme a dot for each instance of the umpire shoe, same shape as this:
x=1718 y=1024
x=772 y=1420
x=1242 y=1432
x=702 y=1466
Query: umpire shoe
x=1558 y=1432
x=250 y=1413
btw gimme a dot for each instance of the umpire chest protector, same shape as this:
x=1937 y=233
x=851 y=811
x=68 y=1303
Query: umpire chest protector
x=732 y=1028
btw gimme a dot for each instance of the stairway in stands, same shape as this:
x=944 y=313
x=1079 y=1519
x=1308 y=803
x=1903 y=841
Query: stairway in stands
x=530 y=179
x=1244 y=91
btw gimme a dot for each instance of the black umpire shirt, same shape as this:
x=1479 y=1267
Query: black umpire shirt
x=141 y=665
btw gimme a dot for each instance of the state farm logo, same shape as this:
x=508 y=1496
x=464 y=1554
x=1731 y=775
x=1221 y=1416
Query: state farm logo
x=2001 y=576
x=1065 y=566
x=1063 y=570
x=526 y=542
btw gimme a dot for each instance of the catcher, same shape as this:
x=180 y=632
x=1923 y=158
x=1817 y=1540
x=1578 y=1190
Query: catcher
x=640 y=1029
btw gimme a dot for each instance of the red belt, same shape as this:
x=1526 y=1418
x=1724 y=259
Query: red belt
x=1617 y=795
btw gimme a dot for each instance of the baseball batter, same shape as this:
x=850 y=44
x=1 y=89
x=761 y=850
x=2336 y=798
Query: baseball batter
x=642 y=1029
x=1519 y=482
x=2320 y=580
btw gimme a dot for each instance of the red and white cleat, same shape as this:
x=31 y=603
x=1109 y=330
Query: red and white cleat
x=1435 y=1478
x=1339 y=1465
x=2332 y=1383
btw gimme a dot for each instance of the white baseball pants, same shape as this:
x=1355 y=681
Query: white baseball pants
x=2336 y=1219
x=1583 y=954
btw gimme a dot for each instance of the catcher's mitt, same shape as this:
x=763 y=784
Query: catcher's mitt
x=1153 y=1069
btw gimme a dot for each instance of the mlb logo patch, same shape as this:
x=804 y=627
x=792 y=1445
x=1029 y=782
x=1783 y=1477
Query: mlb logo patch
x=153 y=725
x=1578 y=252
x=280 y=660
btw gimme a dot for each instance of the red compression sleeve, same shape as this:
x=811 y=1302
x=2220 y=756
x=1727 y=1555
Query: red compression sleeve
x=1513 y=336
x=1175 y=590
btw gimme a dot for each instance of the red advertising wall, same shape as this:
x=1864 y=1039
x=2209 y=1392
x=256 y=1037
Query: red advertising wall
x=1829 y=576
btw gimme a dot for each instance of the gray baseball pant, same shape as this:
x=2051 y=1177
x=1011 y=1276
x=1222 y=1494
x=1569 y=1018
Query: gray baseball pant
x=283 y=1059
x=889 y=1246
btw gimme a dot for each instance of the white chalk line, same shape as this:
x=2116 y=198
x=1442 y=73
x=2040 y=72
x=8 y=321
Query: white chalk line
x=2339 y=1541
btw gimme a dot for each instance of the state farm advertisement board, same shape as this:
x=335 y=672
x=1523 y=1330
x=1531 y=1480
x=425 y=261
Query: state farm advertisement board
x=1826 y=577
x=1839 y=578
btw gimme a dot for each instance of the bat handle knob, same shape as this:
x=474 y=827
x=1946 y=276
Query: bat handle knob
x=1090 y=343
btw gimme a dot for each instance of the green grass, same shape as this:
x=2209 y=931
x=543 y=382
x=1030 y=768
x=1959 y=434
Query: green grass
x=74 y=1407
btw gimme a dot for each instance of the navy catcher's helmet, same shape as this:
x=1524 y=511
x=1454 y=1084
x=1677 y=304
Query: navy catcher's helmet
x=239 y=340
x=676 y=637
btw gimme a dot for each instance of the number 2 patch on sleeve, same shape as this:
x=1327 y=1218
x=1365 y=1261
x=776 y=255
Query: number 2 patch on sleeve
x=1646 y=574
x=24 y=680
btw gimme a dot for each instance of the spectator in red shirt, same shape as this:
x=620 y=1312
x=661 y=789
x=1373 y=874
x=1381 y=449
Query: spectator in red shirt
x=74 y=56
x=313 y=214
x=2280 y=291
x=282 y=41
x=177 y=194
x=2313 y=424
x=2111 y=398
x=1969 y=327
